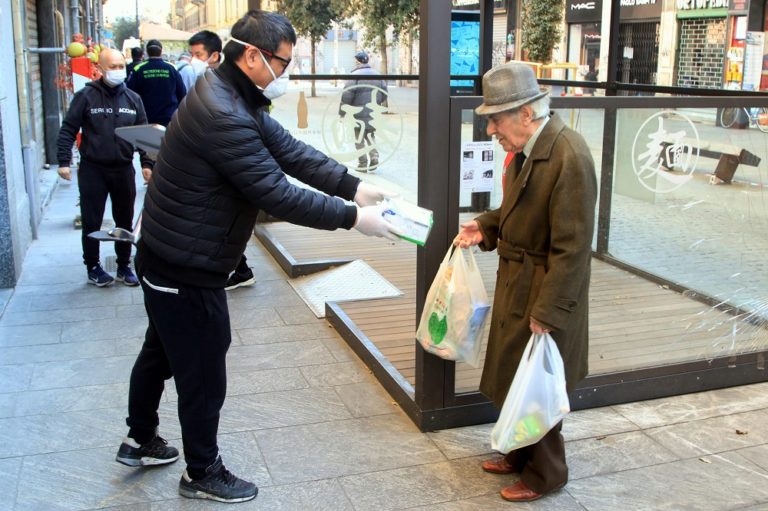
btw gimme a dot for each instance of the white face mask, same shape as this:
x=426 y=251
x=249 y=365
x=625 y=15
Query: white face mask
x=198 y=66
x=278 y=86
x=114 y=77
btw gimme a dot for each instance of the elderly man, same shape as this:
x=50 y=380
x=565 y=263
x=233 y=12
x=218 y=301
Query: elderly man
x=543 y=235
x=106 y=161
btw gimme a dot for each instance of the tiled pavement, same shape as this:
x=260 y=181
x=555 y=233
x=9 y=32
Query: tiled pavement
x=305 y=419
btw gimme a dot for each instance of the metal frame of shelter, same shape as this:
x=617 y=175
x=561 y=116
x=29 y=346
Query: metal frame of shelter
x=432 y=402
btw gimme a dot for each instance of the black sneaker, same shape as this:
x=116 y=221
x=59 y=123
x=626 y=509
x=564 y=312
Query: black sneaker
x=240 y=280
x=219 y=484
x=98 y=277
x=126 y=276
x=155 y=452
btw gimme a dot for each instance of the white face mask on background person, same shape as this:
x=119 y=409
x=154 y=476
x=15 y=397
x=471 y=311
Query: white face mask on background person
x=198 y=66
x=114 y=77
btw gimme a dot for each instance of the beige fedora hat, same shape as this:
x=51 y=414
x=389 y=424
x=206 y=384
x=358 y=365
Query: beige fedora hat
x=507 y=87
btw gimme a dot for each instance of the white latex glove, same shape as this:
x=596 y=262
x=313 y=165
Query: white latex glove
x=370 y=221
x=368 y=195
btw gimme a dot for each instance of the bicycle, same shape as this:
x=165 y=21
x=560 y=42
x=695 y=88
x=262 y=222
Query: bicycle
x=757 y=116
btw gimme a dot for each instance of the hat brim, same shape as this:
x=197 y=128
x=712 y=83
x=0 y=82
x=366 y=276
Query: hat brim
x=512 y=105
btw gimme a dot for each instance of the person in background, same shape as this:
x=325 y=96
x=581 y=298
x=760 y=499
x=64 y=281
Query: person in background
x=159 y=85
x=106 y=161
x=357 y=99
x=137 y=55
x=543 y=235
x=205 y=47
x=222 y=160
x=184 y=67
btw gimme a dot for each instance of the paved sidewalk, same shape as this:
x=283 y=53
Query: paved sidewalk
x=305 y=419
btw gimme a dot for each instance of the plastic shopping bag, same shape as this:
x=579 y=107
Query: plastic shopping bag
x=537 y=399
x=455 y=310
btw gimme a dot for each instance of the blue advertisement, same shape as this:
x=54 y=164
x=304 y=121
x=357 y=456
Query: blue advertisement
x=465 y=51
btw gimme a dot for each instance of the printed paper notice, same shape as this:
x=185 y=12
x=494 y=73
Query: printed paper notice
x=477 y=166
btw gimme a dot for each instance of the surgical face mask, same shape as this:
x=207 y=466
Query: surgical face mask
x=114 y=77
x=277 y=87
x=198 y=66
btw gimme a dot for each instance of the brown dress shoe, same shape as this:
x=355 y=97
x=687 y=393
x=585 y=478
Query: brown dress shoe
x=498 y=466
x=519 y=492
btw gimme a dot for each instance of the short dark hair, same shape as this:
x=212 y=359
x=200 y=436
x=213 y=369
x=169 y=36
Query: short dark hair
x=210 y=41
x=137 y=53
x=154 y=48
x=266 y=30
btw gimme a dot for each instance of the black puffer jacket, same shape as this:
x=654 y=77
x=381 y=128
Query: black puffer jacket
x=222 y=160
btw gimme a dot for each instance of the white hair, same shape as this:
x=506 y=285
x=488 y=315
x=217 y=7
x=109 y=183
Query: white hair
x=540 y=107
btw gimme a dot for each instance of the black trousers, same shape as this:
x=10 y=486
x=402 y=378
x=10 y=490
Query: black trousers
x=542 y=466
x=95 y=183
x=188 y=337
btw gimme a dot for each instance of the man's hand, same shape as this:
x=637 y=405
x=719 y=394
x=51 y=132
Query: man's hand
x=147 y=173
x=469 y=235
x=538 y=328
x=65 y=173
x=370 y=221
x=369 y=195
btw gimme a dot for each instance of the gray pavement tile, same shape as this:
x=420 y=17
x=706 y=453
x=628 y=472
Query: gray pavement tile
x=279 y=409
x=50 y=482
x=285 y=333
x=342 y=373
x=5 y=296
x=340 y=349
x=344 y=447
x=671 y=410
x=757 y=507
x=28 y=335
x=464 y=442
x=561 y=501
x=274 y=356
x=325 y=495
x=131 y=311
x=298 y=315
x=9 y=479
x=101 y=329
x=254 y=318
x=54 y=316
x=69 y=351
x=15 y=378
x=757 y=455
x=366 y=399
x=8 y=404
x=72 y=301
x=426 y=484
x=614 y=453
x=255 y=382
x=70 y=399
x=40 y=434
x=272 y=293
x=719 y=482
x=594 y=423
x=43 y=275
x=81 y=373
x=713 y=435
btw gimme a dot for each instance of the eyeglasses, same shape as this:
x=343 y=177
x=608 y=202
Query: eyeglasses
x=271 y=55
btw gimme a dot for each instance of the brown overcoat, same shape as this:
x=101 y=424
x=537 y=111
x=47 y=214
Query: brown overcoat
x=543 y=234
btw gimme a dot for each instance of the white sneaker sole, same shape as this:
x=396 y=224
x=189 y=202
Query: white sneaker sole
x=144 y=462
x=244 y=283
x=121 y=279
x=105 y=284
x=197 y=494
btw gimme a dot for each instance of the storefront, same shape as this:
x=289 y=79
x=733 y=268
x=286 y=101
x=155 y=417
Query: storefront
x=583 y=20
x=639 y=41
x=701 y=46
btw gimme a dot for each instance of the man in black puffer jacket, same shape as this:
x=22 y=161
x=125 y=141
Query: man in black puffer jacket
x=106 y=161
x=222 y=160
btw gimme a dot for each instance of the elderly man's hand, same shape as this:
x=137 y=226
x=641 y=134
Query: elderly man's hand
x=65 y=173
x=469 y=235
x=538 y=328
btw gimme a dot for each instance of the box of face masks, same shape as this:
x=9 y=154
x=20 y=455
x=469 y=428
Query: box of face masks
x=414 y=222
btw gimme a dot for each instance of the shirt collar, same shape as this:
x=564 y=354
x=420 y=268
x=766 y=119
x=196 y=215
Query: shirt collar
x=244 y=86
x=532 y=141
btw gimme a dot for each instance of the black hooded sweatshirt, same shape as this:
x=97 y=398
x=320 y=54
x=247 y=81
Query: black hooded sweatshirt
x=98 y=109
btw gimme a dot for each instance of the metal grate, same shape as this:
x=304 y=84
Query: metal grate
x=640 y=41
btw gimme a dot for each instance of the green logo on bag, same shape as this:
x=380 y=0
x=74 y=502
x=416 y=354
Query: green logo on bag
x=437 y=328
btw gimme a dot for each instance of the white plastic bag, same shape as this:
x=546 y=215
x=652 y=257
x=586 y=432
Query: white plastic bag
x=537 y=399
x=455 y=310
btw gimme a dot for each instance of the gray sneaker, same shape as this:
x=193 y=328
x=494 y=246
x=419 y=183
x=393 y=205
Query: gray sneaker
x=155 y=452
x=219 y=484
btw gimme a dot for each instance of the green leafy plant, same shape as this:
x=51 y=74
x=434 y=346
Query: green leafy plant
x=541 y=28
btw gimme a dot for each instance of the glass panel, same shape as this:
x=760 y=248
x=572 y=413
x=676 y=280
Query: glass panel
x=689 y=205
x=587 y=122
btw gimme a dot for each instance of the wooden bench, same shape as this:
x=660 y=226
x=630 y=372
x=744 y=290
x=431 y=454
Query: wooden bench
x=728 y=157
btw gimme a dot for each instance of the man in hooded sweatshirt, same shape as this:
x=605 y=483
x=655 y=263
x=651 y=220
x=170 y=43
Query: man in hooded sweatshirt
x=106 y=161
